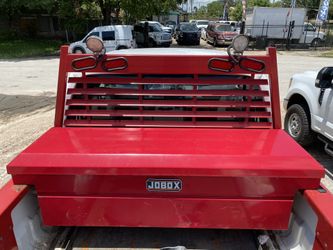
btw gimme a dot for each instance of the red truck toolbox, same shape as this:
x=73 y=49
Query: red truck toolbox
x=167 y=141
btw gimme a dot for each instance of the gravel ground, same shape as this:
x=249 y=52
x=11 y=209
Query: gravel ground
x=27 y=96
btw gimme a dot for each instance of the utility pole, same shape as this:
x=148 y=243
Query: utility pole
x=225 y=10
x=242 y=30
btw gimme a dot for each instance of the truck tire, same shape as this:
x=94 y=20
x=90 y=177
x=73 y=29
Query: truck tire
x=122 y=47
x=152 y=43
x=297 y=124
x=78 y=50
x=316 y=42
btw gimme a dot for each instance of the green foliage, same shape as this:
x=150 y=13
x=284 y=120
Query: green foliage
x=136 y=10
x=201 y=13
x=18 y=48
x=74 y=13
x=236 y=12
x=259 y=3
x=309 y=4
x=213 y=10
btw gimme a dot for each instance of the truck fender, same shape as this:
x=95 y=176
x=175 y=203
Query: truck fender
x=310 y=96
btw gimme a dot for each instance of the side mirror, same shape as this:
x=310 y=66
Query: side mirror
x=324 y=78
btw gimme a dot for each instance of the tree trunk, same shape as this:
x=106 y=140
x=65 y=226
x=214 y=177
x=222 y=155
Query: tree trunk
x=107 y=16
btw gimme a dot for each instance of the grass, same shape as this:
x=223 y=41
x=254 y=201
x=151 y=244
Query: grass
x=327 y=54
x=21 y=48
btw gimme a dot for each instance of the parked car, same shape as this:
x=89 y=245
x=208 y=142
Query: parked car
x=114 y=36
x=201 y=24
x=309 y=105
x=187 y=33
x=235 y=26
x=171 y=24
x=156 y=35
x=220 y=34
x=164 y=28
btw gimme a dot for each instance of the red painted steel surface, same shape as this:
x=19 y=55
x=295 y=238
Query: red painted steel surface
x=92 y=102
x=166 y=152
x=10 y=195
x=165 y=212
x=322 y=204
x=196 y=186
x=226 y=166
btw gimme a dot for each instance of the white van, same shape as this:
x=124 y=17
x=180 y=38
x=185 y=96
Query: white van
x=114 y=36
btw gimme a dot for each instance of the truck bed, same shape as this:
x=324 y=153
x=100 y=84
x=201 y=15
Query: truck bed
x=150 y=239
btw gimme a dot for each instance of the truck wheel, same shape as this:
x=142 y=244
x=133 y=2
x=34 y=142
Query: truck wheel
x=152 y=43
x=316 y=42
x=122 y=47
x=78 y=50
x=297 y=124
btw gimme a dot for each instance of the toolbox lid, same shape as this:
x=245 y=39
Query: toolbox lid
x=166 y=152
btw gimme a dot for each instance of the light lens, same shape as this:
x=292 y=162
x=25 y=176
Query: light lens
x=221 y=65
x=95 y=44
x=252 y=65
x=84 y=63
x=240 y=43
x=113 y=64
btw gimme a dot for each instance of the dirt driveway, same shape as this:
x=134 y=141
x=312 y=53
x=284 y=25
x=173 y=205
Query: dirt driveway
x=27 y=96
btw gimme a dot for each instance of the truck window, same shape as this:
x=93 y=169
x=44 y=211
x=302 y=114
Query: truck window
x=309 y=27
x=108 y=35
x=155 y=28
x=223 y=27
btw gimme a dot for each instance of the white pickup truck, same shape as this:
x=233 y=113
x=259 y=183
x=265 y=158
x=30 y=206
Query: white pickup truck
x=309 y=105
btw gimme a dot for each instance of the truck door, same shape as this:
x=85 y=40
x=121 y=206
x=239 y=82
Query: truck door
x=109 y=40
x=327 y=114
x=309 y=33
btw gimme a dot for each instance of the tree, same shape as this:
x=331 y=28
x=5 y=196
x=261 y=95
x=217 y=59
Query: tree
x=201 y=13
x=143 y=9
x=236 y=12
x=213 y=10
x=259 y=3
x=107 y=7
x=11 y=9
x=77 y=14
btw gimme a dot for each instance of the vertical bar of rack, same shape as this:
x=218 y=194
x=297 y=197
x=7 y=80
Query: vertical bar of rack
x=249 y=100
x=141 y=88
x=85 y=86
x=274 y=87
x=61 y=91
x=194 y=99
